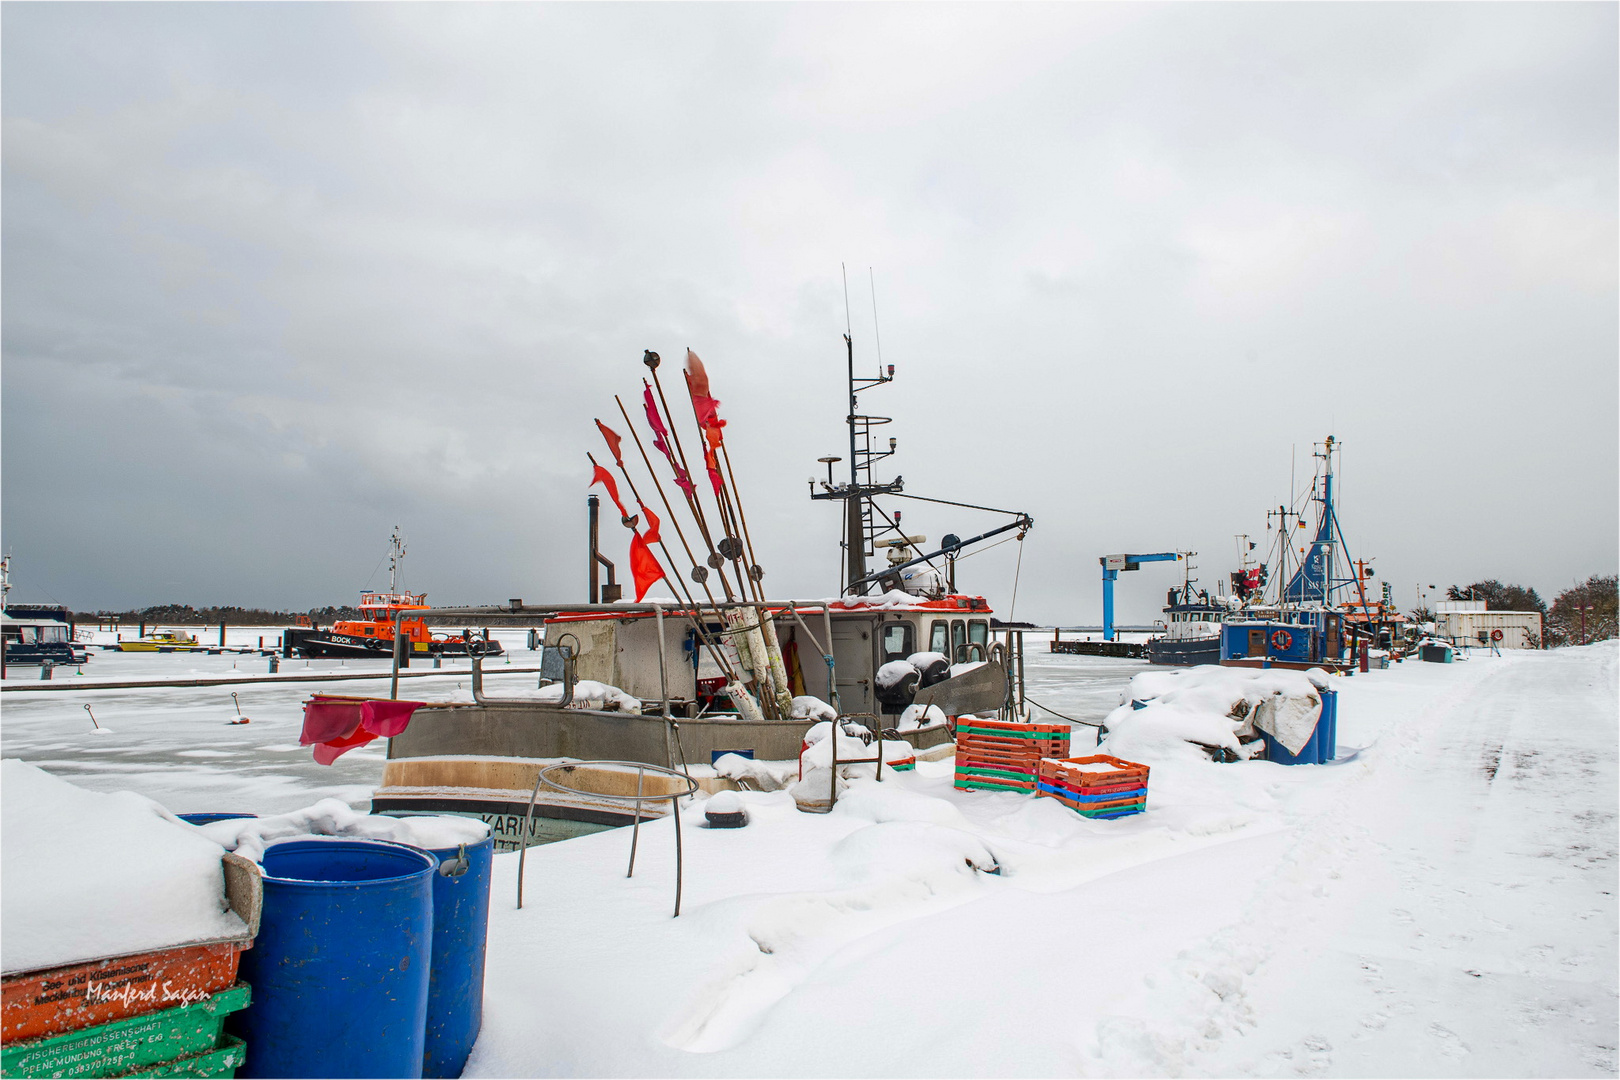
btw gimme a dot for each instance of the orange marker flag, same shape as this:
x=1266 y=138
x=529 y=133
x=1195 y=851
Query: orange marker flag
x=612 y=441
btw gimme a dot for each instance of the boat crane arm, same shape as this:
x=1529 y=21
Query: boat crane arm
x=1023 y=523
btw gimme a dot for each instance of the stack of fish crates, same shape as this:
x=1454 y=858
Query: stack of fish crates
x=1098 y=786
x=155 y=1013
x=999 y=755
x=187 y=1040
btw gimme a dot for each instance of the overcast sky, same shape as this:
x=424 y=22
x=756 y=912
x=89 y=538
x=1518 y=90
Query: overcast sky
x=278 y=277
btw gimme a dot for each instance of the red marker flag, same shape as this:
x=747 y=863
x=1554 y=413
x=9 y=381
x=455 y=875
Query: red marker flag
x=661 y=439
x=705 y=407
x=612 y=441
x=713 y=465
x=605 y=478
x=643 y=564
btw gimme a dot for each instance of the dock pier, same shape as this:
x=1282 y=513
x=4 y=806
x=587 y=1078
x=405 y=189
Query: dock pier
x=1133 y=650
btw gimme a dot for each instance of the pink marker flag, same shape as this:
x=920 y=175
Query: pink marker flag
x=661 y=439
x=336 y=725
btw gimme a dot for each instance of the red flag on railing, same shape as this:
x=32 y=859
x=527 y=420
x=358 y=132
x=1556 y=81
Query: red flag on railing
x=661 y=439
x=706 y=407
x=612 y=441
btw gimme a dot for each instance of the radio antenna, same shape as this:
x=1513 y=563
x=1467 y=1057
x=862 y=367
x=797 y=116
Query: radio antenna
x=877 y=337
x=842 y=269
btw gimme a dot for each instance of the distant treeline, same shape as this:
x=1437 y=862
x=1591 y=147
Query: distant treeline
x=186 y=615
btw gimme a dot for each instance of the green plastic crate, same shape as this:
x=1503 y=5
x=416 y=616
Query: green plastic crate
x=124 y=1046
x=221 y=1062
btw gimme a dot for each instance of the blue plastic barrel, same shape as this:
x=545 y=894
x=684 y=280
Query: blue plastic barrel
x=1323 y=745
x=340 y=967
x=1327 y=728
x=455 y=1008
x=205 y=819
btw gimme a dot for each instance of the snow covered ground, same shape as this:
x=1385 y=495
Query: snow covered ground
x=1441 y=903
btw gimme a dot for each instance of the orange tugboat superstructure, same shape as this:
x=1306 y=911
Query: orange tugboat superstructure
x=373 y=634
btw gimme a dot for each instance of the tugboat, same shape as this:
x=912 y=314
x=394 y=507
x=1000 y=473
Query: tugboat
x=372 y=636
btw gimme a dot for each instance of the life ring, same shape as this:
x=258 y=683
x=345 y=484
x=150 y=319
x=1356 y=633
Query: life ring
x=1281 y=640
x=1496 y=635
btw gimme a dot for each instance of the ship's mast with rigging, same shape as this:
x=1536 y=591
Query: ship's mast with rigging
x=396 y=555
x=861 y=515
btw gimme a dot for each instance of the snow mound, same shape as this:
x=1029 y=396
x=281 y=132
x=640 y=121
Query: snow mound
x=759 y=775
x=249 y=837
x=917 y=851
x=88 y=875
x=723 y=802
x=806 y=707
x=590 y=694
x=1165 y=715
x=916 y=716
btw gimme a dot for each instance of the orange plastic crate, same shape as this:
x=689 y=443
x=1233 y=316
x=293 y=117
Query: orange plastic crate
x=1123 y=771
x=53 y=1001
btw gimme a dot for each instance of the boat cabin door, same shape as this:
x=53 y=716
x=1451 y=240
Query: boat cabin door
x=852 y=652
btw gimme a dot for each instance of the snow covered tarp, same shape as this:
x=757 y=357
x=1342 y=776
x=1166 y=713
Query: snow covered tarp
x=249 y=837
x=1167 y=714
x=85 y=875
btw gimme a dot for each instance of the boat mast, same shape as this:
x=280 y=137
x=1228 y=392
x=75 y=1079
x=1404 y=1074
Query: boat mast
x=396 y=555
x=861 y=526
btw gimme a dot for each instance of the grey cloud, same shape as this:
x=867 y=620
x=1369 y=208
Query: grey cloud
x=280 y=276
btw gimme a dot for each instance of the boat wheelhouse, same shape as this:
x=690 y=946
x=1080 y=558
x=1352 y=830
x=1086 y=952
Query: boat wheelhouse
x=40 y=634
x=1192 y=632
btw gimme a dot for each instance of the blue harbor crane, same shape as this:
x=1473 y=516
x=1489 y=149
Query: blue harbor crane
x=1112 y=565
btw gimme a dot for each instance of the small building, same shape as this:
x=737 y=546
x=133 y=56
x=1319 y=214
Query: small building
x=1467 y=622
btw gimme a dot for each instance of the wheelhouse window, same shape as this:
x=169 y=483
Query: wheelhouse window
x=939 y=637
x=958 y=641
x=899 y=641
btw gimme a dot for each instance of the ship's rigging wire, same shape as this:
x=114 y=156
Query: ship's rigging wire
x=1070 y=719
x=947 y=502
x=982 y=550
x=1017 y=570
x=374 y=570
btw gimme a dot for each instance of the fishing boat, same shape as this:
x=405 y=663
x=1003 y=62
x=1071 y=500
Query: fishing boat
x=36 y=633
x=1322 y=611
x=690 y=681
x=1192 y=621
x=372 y=635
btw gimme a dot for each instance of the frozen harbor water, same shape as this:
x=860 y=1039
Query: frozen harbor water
x=174 y=744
